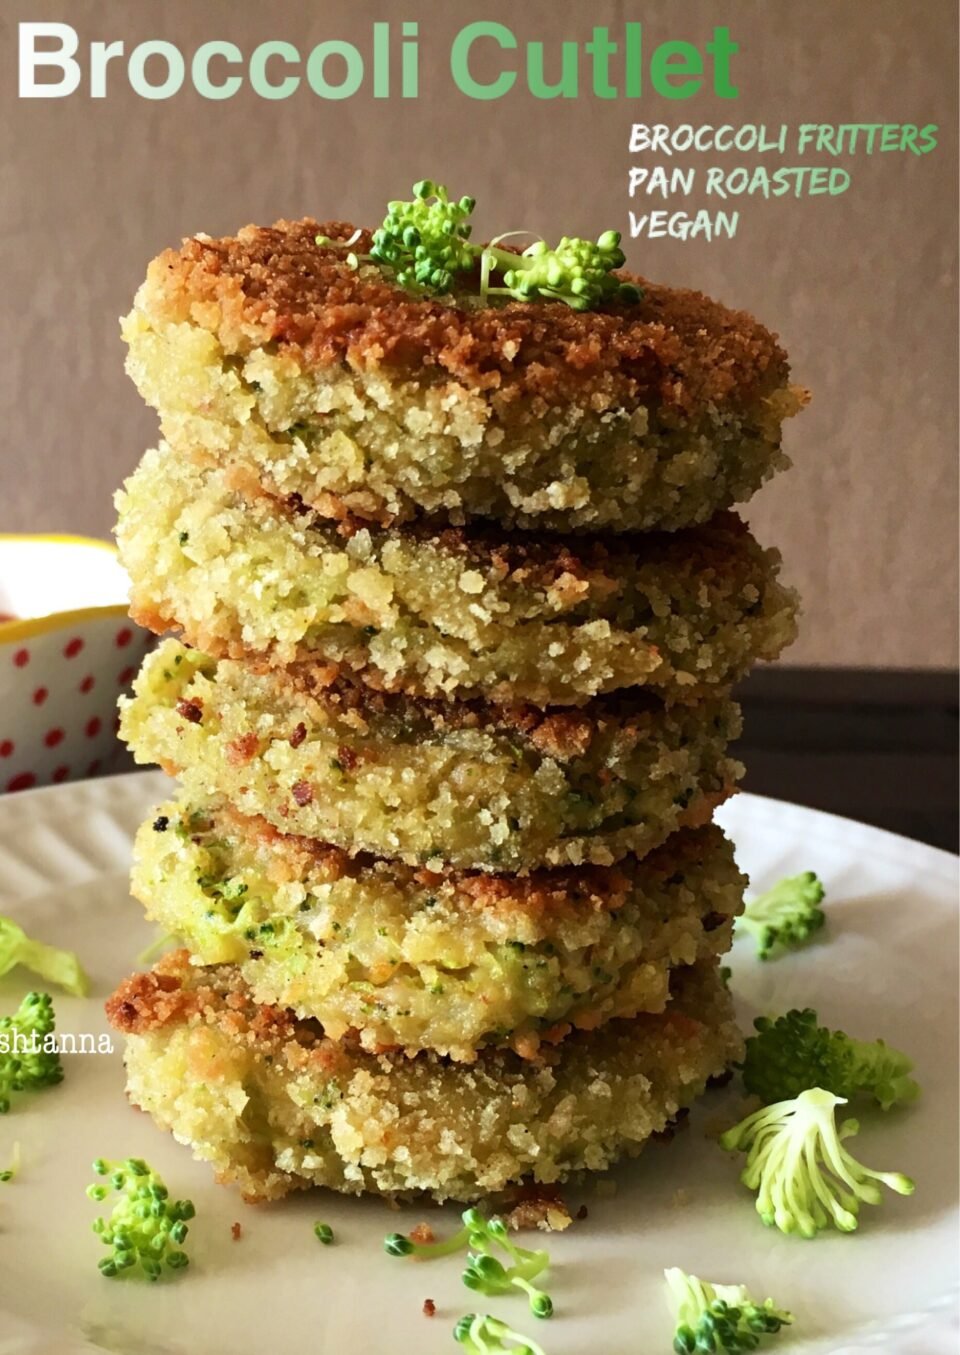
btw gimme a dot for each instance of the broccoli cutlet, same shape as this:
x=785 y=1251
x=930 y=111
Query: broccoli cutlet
x=284 y=358
x=443 y=960
x=274 y=1105
x=441 y=612
x=466 y=784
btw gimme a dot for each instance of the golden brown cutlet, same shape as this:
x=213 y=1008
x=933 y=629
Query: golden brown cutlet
x=411 y=958
x=470 y=784
x=447 y=612
x=271 y=352
x=274 y=1105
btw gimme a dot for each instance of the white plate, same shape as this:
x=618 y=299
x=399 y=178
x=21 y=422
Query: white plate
x=888 y=968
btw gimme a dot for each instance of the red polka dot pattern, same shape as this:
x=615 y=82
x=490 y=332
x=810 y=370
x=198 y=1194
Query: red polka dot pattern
x=58 y=708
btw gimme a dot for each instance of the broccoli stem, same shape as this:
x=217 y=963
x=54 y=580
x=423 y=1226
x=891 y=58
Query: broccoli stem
x=398 y=1244
x=10 y=1172
x=804 y=1178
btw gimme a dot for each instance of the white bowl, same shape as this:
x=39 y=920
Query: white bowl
x=67 y=650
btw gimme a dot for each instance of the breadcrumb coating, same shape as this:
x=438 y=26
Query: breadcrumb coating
x=270 y=353
x=417 y=959
x=445 y=612
x=476 y=786
x=274 y=1105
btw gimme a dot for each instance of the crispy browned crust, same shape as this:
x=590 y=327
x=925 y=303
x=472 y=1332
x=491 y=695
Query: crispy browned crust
x=539 y=1206
x=676 y=350
x=559 y=732
x=722 y=548
x=169 y=995
x=175 y=993
x=587 y=888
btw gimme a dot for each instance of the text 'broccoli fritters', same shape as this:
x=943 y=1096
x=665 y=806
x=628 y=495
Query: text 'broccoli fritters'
x=440 y=960
x=270 y=352
x=274 y=1105
x=440 y=613
x=465 y=784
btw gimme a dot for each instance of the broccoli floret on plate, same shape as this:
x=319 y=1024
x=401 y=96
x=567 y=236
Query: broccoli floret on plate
x=146 y=1229
x=719 y=1317
x=480 y=1334
x=785 y=916
x=485 y=1272
x=13 y=1169
x=27 y=1062
x=487 y=1275
x=796 y=1162
x=794 y=1052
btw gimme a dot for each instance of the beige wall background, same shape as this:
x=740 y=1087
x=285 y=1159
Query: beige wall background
x=861 y=287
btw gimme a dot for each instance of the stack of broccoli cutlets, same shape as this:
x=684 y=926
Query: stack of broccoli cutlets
x=461 y=602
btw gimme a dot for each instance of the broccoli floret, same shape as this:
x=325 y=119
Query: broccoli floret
x=794 y=1052
x=55 y=966
x=398 y=1244
x=489 y=1276
x=146 y=1227
x=786 y=915
x=719 y=1317
x=481 y=1334
x=26 y=1064
x=578 y=272
x=426 y=243
x=10 y=1172
x=805 y=1179
x=484 y=1272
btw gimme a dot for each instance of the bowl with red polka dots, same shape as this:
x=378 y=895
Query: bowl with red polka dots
x=67 y=651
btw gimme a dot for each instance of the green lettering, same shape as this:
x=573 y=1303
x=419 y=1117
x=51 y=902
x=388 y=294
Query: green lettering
x=722 y=49
x=670 y=63
x=381 y=61
x=258 y=70
x=460 y=60
x=536 y=82
x=633 y=61
x=601 y=49
x=353 y=76
x=409 y=61
x=200 y=70
x=890 y=138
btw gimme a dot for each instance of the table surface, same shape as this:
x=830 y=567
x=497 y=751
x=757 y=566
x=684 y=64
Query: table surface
x=879 y=746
